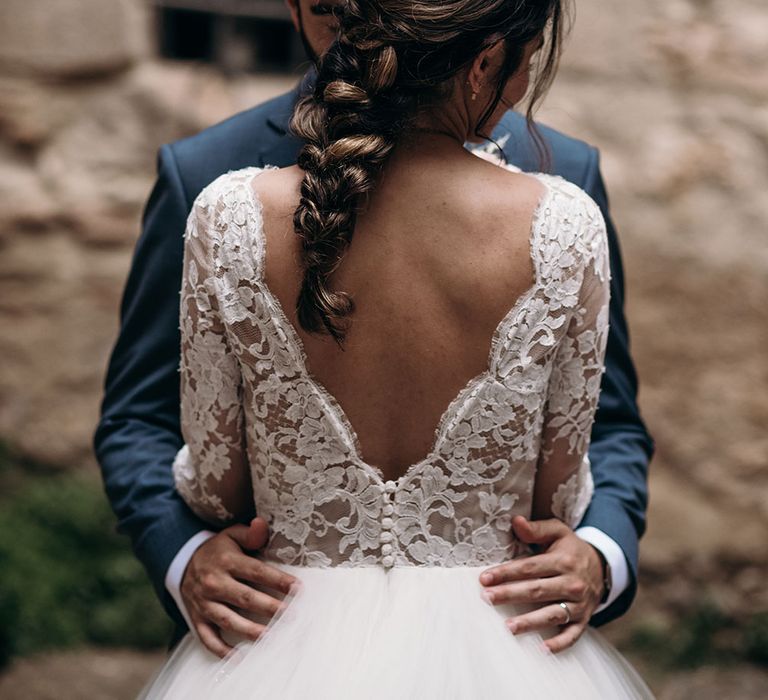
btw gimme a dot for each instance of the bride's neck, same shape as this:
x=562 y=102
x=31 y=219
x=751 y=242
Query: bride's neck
x=428 y=144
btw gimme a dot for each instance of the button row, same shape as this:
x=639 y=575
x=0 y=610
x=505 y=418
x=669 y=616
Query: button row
x=386 y=537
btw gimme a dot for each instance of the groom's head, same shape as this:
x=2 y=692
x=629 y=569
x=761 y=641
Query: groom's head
x=316 y=21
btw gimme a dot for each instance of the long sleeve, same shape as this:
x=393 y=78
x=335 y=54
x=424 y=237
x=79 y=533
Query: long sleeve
x=211 y=469
x=564 y=484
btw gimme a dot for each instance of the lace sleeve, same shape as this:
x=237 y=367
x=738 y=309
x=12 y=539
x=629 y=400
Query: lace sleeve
x=564 y=484
x=211 y=470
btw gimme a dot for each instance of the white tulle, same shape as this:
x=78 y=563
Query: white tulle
x=397 y=634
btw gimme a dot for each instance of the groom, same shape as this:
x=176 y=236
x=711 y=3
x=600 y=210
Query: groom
x=194 y=570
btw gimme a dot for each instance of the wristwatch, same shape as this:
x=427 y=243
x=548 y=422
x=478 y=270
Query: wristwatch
x=607 y=576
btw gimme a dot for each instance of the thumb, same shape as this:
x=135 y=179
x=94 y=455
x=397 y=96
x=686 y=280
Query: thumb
x=253 y=536
x=543 y=532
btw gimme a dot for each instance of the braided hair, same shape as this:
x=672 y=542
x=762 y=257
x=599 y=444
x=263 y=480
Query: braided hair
x=392 y=59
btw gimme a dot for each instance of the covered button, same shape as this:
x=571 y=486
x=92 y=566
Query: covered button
x=390 y=486
x=387 y=523
x=388 y=509
x=386 y=549
x=385 y=537
x=388 y=561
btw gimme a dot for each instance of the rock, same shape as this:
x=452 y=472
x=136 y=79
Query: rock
x=715 y=45
x=20 y=183
x=59 y=305
x=100 y=165
x=31 y=111
x=609 y=40
x=71 y=38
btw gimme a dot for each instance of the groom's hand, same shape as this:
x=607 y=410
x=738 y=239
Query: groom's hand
x=566 y=569
x=214 y=587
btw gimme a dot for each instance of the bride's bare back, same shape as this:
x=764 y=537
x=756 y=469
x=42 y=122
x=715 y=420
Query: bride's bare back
x=439 y=256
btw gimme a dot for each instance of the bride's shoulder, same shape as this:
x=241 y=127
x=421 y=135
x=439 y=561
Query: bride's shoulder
x=502 y=192
x=562 y=192
x=566 y=205
x=566 y=216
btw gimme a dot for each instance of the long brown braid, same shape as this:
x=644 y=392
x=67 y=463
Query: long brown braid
x=391 y=60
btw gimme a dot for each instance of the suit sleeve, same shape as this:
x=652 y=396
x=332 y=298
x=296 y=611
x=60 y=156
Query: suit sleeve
x=621 y=447
x=138 y=434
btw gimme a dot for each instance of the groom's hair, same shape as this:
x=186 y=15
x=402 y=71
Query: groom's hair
x=392 y=60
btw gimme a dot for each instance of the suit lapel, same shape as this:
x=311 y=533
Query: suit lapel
x=285 y=147
x=283 y=152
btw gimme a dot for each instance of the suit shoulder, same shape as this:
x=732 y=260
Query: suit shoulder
x=572 y=158
x=232 y=144
x=248 y=123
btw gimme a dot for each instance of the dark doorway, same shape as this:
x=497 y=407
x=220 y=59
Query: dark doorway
x=236 y=36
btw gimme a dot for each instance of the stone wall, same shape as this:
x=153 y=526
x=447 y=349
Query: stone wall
x=83 y=108
x=674 y=92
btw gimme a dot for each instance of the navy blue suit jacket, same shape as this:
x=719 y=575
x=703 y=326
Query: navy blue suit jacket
x=139 y=434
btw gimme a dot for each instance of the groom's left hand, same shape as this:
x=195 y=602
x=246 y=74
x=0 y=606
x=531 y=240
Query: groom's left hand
x=566 y=569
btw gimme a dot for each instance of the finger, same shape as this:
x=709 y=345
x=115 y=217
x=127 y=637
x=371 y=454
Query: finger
x=540 y=590
x=246 y=598
x=258 y=533
x=257 y=571
x=227 y=619
x=211 y=639
x=537 y=566
x=543 y=618
x=251 y=537
x=543 y=532
x=567 y=638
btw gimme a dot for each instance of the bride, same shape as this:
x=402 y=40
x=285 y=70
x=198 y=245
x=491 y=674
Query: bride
x=390 y=406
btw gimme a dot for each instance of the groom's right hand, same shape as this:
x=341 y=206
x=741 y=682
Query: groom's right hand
x=215 y=587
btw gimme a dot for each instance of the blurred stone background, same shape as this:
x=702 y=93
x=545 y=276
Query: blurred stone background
x=673 y=92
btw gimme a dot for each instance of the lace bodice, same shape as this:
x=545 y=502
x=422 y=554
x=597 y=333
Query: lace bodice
x=514 y=440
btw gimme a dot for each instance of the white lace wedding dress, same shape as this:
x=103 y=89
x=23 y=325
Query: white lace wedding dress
x=390 y=602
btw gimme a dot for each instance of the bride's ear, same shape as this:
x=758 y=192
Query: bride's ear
x=485 y=67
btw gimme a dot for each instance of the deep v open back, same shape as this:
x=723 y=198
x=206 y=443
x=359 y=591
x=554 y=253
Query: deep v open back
x=502 y=329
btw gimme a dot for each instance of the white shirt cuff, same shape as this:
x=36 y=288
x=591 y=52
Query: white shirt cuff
x=614 y=556
x=178 y=566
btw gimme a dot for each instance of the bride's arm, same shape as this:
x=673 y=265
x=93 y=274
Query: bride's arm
x=211 y=470
x=564 y=485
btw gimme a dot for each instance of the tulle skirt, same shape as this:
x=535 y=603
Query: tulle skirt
x=397 y=634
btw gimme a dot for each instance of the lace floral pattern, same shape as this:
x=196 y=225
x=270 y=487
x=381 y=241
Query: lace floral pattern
x=513 y=441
